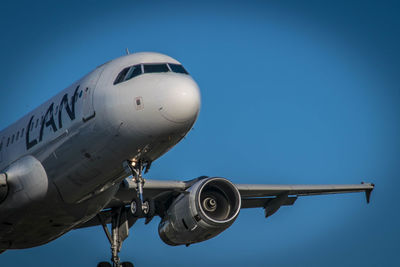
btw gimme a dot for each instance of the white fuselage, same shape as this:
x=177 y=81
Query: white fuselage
x=83 y=135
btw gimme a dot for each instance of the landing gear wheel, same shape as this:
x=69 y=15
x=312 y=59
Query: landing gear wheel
x=104 y=264
x=149 y=208
x=127 y=264
x=136 y=209
x=146 y=208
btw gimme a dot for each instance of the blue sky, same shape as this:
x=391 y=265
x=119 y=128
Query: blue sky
x=292 y=92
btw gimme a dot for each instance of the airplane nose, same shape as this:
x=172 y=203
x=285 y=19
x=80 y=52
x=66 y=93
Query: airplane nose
x=181 y=101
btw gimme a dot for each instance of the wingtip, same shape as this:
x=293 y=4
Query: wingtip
x=368 y=192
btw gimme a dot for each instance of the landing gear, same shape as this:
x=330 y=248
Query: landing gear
x=122 y=218
x=141 y=207
x=147 y=210
x=107 y=264
x=120 y=224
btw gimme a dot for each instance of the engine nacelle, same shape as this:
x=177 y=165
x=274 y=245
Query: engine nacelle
x=23 y=182
x=205 y=210
x=3 y=187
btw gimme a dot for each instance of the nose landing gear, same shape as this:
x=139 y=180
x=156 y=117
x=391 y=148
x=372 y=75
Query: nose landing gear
x=136 y=168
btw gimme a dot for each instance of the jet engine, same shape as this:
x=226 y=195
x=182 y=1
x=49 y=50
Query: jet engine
x=203 y=211
x=23 y=182
x=3 y=187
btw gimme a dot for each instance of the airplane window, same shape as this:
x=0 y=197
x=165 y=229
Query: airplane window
x=22 y=132
x=1 y=146
x=121 y=76
x=133 y=72
x=8 y=141
x=12 y=139
x=17 y=136
x=37 y=123
x=177 y=68
x=151 y=68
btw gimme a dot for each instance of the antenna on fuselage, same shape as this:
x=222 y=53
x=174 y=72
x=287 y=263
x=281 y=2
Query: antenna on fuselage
x=127 y=51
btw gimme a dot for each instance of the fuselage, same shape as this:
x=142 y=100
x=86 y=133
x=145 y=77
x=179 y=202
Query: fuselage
x=136 y=107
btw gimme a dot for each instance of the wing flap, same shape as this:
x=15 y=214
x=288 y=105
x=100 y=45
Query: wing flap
x=249 y=203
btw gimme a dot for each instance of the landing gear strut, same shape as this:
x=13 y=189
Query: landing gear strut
x=136 y=168
x=122 y=219
x=120 y=224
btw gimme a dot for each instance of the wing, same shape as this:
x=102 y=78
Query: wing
x=272 y=197
x=269 y=197
x=157 y=188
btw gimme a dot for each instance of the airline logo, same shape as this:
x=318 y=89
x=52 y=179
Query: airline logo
x=49 y=119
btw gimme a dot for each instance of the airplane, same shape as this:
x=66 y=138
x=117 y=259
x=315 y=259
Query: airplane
x=79 y=160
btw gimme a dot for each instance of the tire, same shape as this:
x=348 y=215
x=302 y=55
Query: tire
x=104 y=264
x=127 y=264
x=152 y=208
x=136 y=209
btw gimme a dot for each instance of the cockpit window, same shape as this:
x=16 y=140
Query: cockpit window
x=177 y=68
x=121 y=76
x=133 y=71
x=151 y=68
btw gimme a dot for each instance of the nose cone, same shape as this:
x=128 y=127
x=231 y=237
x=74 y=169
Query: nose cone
x=181 y=101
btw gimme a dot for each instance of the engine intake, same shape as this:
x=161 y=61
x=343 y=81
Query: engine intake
x=205 y=210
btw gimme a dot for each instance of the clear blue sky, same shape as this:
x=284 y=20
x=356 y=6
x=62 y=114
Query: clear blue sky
x=292 y=92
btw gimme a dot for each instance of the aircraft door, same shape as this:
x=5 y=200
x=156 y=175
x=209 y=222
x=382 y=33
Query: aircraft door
x=88 y=111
